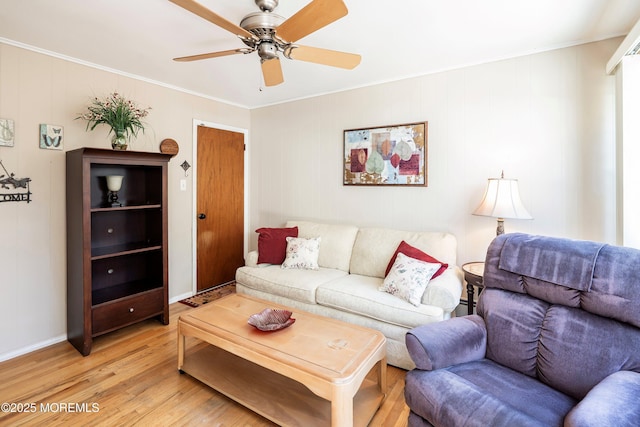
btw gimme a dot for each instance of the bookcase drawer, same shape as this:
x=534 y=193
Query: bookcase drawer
x=125 y=311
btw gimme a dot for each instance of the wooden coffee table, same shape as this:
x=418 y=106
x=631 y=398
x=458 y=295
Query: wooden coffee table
x=319 y=371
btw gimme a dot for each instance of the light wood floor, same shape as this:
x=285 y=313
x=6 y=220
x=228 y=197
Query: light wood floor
x=131 y=378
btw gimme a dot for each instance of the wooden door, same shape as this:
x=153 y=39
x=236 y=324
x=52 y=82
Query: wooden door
x=220 y=206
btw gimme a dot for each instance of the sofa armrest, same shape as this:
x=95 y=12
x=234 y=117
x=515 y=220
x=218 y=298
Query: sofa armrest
x=450 y=342
x=252 y=259
x=613 y=402
x=445 y=290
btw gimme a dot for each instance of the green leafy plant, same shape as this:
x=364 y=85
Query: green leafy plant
x=122 y=115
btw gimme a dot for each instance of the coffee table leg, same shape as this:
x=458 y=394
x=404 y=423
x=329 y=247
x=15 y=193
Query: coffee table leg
x=342 y=397
x=341 y=408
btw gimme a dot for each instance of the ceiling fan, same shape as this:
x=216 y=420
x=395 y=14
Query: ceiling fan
x=269 y=33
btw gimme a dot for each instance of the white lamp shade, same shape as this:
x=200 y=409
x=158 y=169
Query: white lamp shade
x=502 y=200
x=114 y=182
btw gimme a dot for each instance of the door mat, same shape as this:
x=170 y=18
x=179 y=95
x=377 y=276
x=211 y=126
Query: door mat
x=210 y=295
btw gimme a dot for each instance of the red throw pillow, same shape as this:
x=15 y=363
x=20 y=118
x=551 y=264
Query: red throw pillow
x=272 y=244
x=416 y=253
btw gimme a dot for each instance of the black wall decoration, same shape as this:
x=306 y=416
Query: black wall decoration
x=8 y=181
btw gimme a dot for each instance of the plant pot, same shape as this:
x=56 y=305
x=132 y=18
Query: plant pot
x=119 y=140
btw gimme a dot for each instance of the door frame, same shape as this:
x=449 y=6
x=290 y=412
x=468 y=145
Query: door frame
x=194 y=197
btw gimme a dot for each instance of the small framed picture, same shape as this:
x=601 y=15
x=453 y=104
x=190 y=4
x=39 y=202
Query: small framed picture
x=7 y=132
x=51 y=137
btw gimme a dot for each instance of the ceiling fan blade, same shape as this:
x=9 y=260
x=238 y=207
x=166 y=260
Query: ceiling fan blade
x=212 y=17
x=316 y=55
x=272 y=72
x=209 y=55
x=310 y=18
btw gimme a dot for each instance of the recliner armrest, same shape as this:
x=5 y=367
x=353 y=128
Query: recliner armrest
x=613 y=402
x=450 y=342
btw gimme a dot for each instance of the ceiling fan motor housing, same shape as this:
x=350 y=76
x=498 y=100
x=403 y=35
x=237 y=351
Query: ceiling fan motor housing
x=263 y=25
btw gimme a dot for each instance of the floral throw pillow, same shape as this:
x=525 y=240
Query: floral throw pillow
x=416 y=253
x=408 y=278
x=302 y=253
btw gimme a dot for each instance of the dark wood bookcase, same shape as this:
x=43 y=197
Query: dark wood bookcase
x=117 y=272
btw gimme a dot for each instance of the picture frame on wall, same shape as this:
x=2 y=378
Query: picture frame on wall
x=51 y=137
x=387 y=156
x=7 y=132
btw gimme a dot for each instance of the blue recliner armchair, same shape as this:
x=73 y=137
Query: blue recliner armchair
x=556 y=341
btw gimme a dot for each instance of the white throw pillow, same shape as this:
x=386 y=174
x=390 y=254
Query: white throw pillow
x=302 y=253
x=408 y=278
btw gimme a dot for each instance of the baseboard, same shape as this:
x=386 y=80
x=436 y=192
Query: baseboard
x=181 y=297
x=33 y=347
x=61 y=338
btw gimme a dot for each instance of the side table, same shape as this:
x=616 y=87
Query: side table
x=473 y=272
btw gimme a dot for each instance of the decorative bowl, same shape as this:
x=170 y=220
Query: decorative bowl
x=271 y=319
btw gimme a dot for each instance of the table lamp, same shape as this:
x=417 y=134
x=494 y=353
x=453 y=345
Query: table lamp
x=114 y=183
x=502 y=200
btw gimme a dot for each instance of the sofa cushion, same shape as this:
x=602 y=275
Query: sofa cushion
x=567 y=348
x=513 y=328
x=484 y=393
x=408 y=278
x=299 y=285
x=336 y=245
x=302 y=253
x=416 y=253
x=374 y=248
x=360 y=295
x=272 y=244
x=578 y=349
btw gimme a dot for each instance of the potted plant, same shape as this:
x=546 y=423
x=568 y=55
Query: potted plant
x=122 y=115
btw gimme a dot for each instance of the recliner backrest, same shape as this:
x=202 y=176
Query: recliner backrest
x=568 y=338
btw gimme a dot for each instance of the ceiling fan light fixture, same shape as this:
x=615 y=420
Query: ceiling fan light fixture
x=267 y=50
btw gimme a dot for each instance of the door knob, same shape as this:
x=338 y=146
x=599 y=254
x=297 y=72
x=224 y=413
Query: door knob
x=202 y=216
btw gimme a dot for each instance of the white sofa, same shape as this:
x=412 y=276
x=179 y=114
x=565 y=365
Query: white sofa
x=352 y=265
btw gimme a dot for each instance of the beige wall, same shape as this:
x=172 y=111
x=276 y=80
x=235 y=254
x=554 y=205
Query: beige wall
x=37 y=88
x=545 y=119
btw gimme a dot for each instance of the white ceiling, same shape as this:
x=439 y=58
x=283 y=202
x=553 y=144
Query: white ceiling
x=397 y=39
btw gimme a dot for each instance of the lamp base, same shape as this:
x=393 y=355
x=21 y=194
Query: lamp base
x=113 y=200
x=500 y=228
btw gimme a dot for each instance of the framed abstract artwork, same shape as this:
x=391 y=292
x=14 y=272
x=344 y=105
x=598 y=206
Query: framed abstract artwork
x=388 y=155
